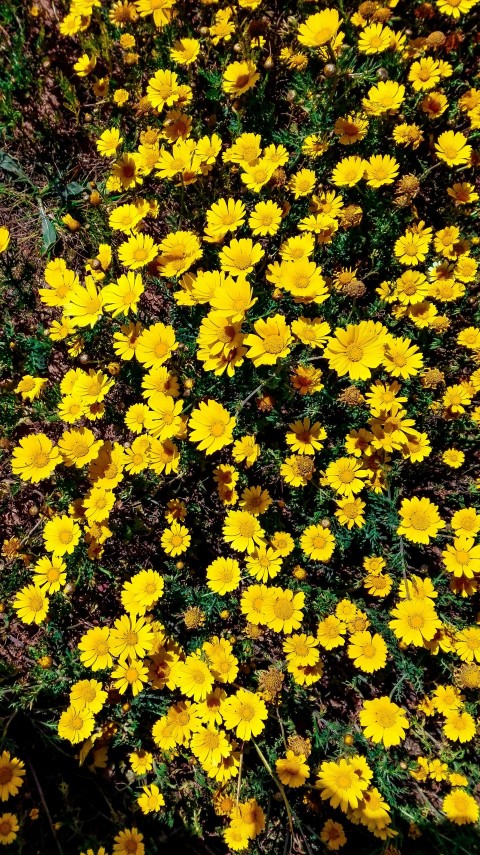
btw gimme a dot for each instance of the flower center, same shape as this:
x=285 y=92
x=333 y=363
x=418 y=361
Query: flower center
x=40 y=459
x=283 y=609
x=273 y=343
x=354 y=352
x=6 y=775
x=246 y=712
x=217 y=428
x=421 y=521
x=416 y=621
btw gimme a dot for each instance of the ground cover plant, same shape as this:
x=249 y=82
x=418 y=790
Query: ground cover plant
x=240 y=411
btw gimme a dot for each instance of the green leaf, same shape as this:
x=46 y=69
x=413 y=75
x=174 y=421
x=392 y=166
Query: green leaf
x=9 y=164
x=49 y=233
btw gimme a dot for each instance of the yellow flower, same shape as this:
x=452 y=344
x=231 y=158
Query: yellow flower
x=151 y=800
x=88 y=694
x=425 y=73
x=175 y=540
x=381 y=169
x=264 y=563
x=185 y=51
x=12 y=771
x=318 y=543
x=84 y=65
x=333 y=835
x=384 y=97
x=141 y=761
x=375 y=38
x=243 y=531
x=132 y=674
x=330 y=632
x=8 y=828
x=84 y=304
x=284 y=610
x=383 y=721
x=79 y=447
x=319 y=29
x=240 y=256
x=35 y=457
x=129 y=841
x=292 y=769
x=459 y=806
x=239 y=77
x=369 y=652
x=459 y=726
x=76 y=725
x=223 y=575
x=211 y=426
x=50 y=573
x=94 y=648
x=4 y=239
x=130 y=638
x=350 y=512
x=265 y=218
x=340 y=783
x=30 y=387
x=138 y=251
x=270 y=342
x=356 y=349
x=452 y=148
x=420 y=520
x=415 y=621
x=245 y=713
x=348 y=171
x=163 y=89
x=155 y=345
x=61 y=535
x=232 y=299
x=142 y=591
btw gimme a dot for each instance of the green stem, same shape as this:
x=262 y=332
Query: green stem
x=279 y=785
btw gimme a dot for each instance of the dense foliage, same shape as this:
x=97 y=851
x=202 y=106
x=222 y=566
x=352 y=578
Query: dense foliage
x=240 y=415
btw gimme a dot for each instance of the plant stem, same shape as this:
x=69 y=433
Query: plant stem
x=279 y=785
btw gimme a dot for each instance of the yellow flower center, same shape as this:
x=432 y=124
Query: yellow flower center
x=131 y=638
x=354 y=352
x=76 y=723
x=283 y=609
x=217 y=428
x=345 y=780
x=79 y=449
x=350 y=510
x=385 y=717
x=160 y=348
x=88 y=694
x=246 y=527
x=246 y=711
x=176 y=539
x=131 y=674
x=65 y=535
x=416 y=621
x=369 y=651
x=211 y=740
x=462 y=557
x=420 y=521
x=40 y=459
x=101 y=648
